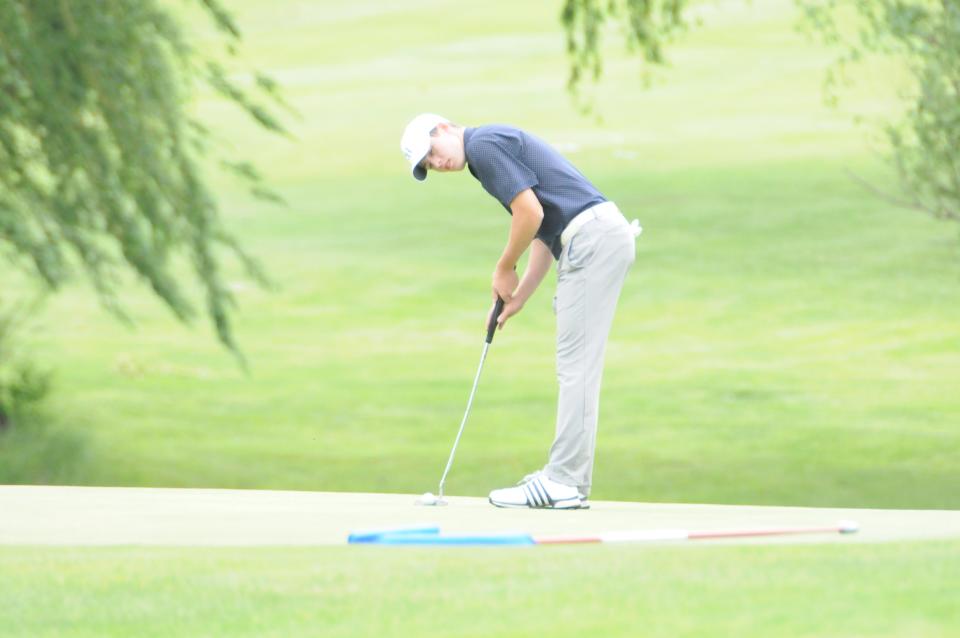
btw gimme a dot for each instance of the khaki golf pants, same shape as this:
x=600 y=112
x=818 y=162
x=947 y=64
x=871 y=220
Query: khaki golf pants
x=590 y=274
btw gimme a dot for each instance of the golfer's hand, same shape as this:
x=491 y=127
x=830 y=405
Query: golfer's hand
x=504 y=283
x=510 y=309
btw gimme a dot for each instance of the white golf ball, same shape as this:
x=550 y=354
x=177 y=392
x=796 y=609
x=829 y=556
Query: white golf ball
x=428 y=498
x=848 y=527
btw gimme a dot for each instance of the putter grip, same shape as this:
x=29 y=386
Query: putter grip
x=492 y=327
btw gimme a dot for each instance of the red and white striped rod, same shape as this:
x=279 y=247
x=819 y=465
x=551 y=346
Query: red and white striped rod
x=649 y=536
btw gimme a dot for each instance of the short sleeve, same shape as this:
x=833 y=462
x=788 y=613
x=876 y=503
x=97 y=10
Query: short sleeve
x=501 y=173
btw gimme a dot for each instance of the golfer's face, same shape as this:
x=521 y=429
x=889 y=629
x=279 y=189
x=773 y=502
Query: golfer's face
x=446 y=152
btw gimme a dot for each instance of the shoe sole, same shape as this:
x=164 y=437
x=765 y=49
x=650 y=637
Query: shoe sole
x=579 y=505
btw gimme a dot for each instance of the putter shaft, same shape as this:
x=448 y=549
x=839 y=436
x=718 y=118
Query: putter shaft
x=476 y=380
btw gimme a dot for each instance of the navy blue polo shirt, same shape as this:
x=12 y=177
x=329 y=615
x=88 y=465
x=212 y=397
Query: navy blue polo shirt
x=507 y=161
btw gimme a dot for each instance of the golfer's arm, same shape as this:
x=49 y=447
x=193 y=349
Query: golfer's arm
x=527 y=216
x=537 y=267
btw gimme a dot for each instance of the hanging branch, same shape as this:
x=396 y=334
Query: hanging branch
x=100 y=159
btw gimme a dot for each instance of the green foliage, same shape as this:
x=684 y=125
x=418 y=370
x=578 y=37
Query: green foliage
x=100 y=158
x=22 y=383
x=925 y=34
x=648 y=26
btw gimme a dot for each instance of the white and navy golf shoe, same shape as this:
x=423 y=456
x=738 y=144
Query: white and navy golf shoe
x=539 y=492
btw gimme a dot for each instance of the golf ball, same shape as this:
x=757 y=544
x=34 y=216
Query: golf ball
x=428 y=498
x=849 y=527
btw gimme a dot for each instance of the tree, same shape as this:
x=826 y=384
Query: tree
x=100 y=160
x=925 y=34
x=649 y=24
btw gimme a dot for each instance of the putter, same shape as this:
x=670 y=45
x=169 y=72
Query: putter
x=438 y=500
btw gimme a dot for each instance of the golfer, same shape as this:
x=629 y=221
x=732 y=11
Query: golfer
x=557 y=214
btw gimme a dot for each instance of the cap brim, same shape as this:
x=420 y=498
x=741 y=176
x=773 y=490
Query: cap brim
x=419 y=172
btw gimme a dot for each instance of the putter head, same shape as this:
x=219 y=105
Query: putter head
x=429 y=500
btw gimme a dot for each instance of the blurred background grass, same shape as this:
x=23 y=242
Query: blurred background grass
x=785 y=336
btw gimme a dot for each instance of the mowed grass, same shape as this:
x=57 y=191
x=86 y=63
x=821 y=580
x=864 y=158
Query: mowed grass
x=880 y=591
x=785 y=337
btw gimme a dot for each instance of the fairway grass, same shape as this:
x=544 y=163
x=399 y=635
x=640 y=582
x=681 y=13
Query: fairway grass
x=784 y=337
x=885 y=590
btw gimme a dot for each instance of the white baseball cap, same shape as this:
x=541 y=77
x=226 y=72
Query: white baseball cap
x=415 y=142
